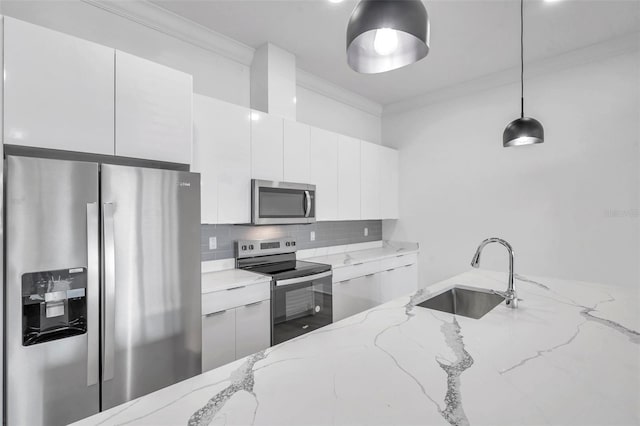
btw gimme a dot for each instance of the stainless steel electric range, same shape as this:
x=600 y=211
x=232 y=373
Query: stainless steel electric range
x=301 y=299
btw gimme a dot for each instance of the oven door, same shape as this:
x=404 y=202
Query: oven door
x=300 y=305
x=282 y=202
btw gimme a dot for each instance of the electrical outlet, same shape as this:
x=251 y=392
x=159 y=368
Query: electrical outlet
x=213 y=243
x=312 y=236
x=366 y=232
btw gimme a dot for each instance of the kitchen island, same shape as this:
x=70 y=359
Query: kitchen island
x=569 y=355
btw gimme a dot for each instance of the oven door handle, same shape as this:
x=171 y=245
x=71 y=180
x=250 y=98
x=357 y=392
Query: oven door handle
x=303 y=279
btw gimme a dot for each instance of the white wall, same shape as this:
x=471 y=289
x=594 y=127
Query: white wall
x=569 y=206
x=322 y=111
x=213 y=75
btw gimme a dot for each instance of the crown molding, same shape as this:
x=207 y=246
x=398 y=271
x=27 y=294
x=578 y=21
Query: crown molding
x=314 y=83
x=596 y=52
x=153 y=16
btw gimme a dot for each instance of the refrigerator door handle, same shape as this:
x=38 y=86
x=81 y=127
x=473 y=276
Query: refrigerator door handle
x=93 y=287
x=108 y=311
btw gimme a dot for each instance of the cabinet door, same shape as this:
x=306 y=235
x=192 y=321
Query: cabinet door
x=153 y=110
x=222 y=156
x=266 y=146
x=253 y=328
x=354 y=296
x=389 y=183
x=58 y=90
x=397 y=282
x=323 y=172
x=296 y=152
x=348 y=178
x=204 y=161
x=218 y=339
x=370 y=181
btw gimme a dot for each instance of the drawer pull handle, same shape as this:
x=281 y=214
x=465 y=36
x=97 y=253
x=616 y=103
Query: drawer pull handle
x=253 y=304
x=212 y=314
x=236 y=288
x=369 y=275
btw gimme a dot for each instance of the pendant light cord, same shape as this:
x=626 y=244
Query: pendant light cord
x=521 y=58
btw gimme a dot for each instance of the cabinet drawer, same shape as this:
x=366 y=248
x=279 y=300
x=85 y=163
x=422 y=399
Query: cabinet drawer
x=398 y=261
x=218 y=339
x=235 y=296
x=355 y=270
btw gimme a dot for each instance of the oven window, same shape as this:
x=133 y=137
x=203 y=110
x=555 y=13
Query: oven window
x=275 y=202
x=301 y=308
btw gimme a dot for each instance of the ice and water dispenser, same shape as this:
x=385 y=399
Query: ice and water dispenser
x=54 y=305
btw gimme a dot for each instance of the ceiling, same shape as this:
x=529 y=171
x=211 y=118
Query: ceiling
x=469 y=38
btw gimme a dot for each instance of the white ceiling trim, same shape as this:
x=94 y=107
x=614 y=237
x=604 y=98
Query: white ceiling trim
x=160 y=19
x=325 y=88
x=155 y=17
x=596 y=52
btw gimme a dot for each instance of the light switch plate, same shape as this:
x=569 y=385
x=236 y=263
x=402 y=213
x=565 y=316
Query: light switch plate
x=366 y=232
x=312 y=236
x=213 y=243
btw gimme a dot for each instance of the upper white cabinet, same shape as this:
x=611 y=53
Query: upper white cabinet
x=266 y=146
x=153 y=110
x=297 y=137
x=389 y=182
x=348 y=178
x=370 y=156
x=323 y=172
x=222 y=156
x=58 y=90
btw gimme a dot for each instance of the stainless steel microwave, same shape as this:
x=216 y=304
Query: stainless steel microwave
x=282 y=202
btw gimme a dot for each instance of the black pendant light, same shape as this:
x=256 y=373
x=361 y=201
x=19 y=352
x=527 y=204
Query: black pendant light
x=524 y=130
x=384 y=35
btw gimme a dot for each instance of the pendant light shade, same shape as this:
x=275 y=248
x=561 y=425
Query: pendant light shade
x=383 y=35
x=524 y=130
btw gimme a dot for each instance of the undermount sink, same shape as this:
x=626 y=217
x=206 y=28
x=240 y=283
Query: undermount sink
x=465 y=301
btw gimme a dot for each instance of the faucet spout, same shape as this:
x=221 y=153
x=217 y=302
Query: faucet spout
x=510 y=295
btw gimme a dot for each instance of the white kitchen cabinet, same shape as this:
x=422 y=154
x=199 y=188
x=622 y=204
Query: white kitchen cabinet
x=355 y=295
x=204 y=155
x=236 y=322
x=218 y=339
x=153 y=105
x=397 y=282
x=222 y=156
x=370 y=181
x=348 y=178
x=253 y=328
x=323 y=172
x=297 y=138
x=266 y=146
x=389 y=171
x=58 y=90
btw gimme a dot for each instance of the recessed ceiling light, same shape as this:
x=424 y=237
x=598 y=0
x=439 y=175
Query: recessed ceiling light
x=552 y=1
x=335 y=1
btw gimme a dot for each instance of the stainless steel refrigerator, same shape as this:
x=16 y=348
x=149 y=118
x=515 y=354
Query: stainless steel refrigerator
x=102 y=286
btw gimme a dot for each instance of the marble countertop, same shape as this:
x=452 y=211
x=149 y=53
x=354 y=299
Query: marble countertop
x=222 y=280
x=388 y=249
x=569 y=355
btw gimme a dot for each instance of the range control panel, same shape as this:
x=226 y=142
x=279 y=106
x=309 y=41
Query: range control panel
x=249 y=248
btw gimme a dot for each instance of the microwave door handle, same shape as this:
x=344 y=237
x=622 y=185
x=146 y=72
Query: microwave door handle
x=93 y=288
x=108 y=313
x=307 y=199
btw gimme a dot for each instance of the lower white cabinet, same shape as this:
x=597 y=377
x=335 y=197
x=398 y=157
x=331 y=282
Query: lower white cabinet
x=253 y=328
x=355 y=295
x=236 y=322
x=218 y=339
x=385 y=280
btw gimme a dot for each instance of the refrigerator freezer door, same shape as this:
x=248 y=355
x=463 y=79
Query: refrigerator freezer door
x=151 y=303
x=52 y=291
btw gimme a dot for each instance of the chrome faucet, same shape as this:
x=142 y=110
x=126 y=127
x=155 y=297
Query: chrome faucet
x=510 y=296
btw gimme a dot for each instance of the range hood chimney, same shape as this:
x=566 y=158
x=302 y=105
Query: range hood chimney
x=273 y=81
